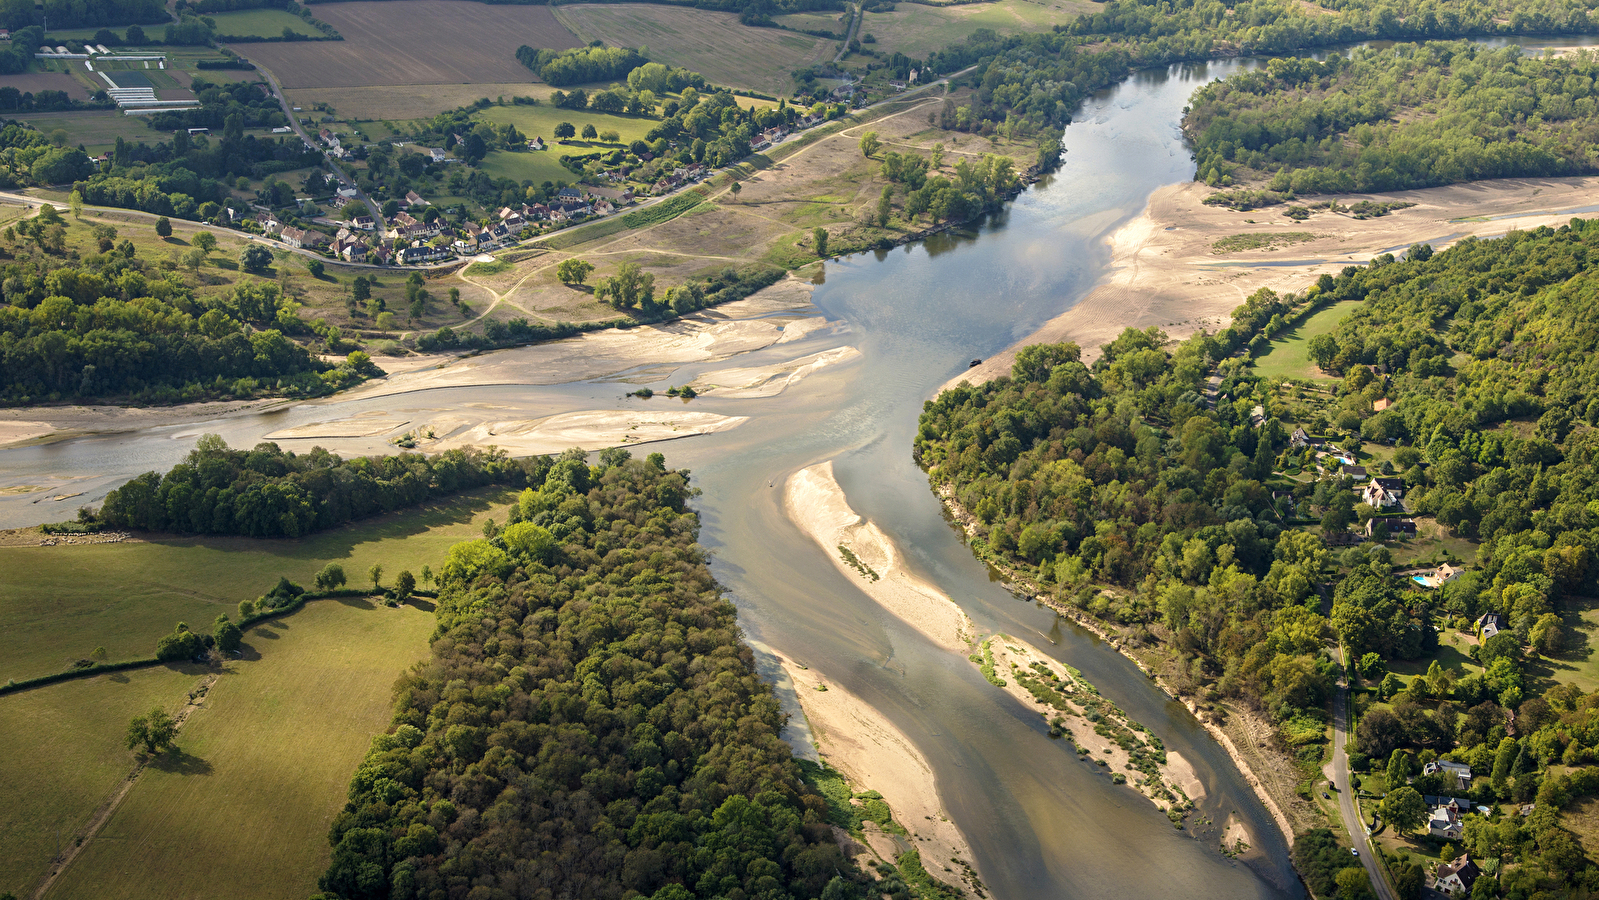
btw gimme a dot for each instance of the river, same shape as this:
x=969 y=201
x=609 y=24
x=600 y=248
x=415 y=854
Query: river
x=1041 y=823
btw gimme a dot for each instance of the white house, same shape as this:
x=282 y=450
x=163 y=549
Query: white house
x=1456 y=878
x=1444 y=822
x=1438 y=577
x=1460 y=771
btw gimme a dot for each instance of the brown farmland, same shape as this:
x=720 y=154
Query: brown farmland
x=34 y=82
x=395 y=42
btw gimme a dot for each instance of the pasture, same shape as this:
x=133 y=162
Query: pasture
x=243 y=808
x=711 y=43
x=915 y=29
x=261 y=23
x=59 y=603
x=397 y=42
x=1289 y=356
x=64 y=756
x=96 y=130
x=540 y=121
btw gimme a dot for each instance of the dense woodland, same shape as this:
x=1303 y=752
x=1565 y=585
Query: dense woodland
x=1405 y=117
x=265 y=492
x=590 y=723
x=15 y=14
x=580 y=66
x=1122 y=491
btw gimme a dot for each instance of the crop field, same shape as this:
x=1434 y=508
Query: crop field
x=1289 y=356
x=96 y=130
x=711 y=43
x=64 y=755
x=418 y=101
x=243 y=809
x=262 y=23
x=915 y=30
x=34 y=82
x=395 y=42
x=59 y=603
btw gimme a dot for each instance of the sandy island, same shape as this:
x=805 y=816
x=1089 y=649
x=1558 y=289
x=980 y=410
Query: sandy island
x=771 y=380
x=873 y=754
x=815 y=502
x=1062 y=695
x=1165 y=271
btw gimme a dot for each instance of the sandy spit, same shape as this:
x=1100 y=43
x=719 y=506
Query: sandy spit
x=590 y=429
x=1165 y=271
x=769 y=381
x=873 y=754
x=815 y=502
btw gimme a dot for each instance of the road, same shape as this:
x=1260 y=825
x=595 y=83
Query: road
x=1338 y=772
x=854 y=25
x=333 y=166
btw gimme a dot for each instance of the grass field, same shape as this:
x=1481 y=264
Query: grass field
x=916 y=30
x=394 y=42
x=243 y=810
x=1289 y=356
x=261 y=23
x=58 y=603
x=711 y=43
x=418 y=101
x=540 y=121
x=97 y=131
x=64 y=755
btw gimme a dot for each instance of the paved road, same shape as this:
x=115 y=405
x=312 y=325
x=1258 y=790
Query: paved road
x=333 y=166
x=1338 y=771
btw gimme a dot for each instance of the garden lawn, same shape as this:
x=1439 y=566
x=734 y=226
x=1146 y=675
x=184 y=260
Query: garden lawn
x=64 y=755
x=242 y=808
x=1289 y=356
x=59 y=603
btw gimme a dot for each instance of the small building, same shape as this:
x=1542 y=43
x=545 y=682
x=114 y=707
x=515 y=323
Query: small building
x=363 y=223
x=1456 y=878
x=1382 y=493
x=1301 y=439
x=1396 y=527
x=1459 y=773
x=352 y=251
x=569 y=193
x=199 y=131
x=1489 y=624
x=1438 y=577
x=536 y=144
x=1352 y=471
x=413 y=200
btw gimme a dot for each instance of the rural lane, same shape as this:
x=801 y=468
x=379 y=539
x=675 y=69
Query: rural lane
x=294 y=122
x=1338 y=772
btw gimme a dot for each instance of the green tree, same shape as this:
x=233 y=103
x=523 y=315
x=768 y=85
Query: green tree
x=331 y=577
x=590 y=132
x=574 y=271
x=1400 y=768
x=98 y=654
x=315 y=267
x=376 y=574
x=1403 y=809
x=870 y=144
x=255 y=258
x=206 y=241
x=1504 y=758
x=427 y=575
x=1353 y=884
x=182 y=644
x=404 y=584
x=819 y=240
x=163 y=227
x=75 y=201
x=227 y=635
x=631 y=286
x=154 y=731
x=1548 y=635
x=1372 y=667
x=565 y=130
x=735 y=188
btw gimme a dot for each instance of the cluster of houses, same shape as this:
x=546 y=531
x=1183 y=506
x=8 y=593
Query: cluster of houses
x=331 y=141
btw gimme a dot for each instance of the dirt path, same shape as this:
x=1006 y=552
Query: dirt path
x=103 y=815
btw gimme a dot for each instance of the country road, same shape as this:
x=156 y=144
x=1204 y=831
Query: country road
x=1338 y=772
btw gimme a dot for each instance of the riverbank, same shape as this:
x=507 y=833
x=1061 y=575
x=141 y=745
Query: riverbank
x=1238 y=729
x=1167 y=272
x=873 y=754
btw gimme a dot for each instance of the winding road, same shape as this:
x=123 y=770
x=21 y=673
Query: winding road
x=1338 y=772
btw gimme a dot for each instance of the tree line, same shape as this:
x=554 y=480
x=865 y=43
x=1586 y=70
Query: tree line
x=579 y=66
x=590 y=722
x=267 y=492
x=1357 y=124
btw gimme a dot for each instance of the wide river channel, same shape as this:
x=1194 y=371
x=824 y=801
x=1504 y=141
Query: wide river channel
x=1041 y=824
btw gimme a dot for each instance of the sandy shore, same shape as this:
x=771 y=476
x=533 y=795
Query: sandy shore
x=875 y=755
x=1165 y=271
x=769 y=381
x=815 y=502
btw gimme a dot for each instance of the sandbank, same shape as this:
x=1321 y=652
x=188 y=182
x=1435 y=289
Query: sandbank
x=771 y=380
x=1165 y=271
x=814 y=501
x=873 y=754
x=590 y=429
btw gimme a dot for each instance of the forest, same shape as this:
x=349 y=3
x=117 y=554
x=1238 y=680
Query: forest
x=579 y=66
x=1120 y=490
x=590 y=722
x=107 y=326
x=266 y=492
x=15 y=14
x=1409 y=116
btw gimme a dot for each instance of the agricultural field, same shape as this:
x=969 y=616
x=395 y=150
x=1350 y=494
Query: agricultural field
x=1289 y=356
x=421 y=101
x=711 y=43
x=262 y=23
x=821 y=20
x=915 y=29
x=34 y=82
x=64 y=756
x=399 y=42
x=244 y=804
x=59 y=603
x=97 y=131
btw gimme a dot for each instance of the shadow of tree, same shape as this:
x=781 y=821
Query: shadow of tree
x=180 y=762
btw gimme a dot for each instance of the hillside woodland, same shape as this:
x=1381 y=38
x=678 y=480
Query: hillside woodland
x=590 y=723
x=1121 y=491
x=1408 y=116
x=265 y=492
